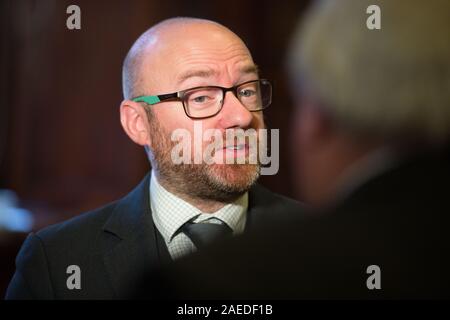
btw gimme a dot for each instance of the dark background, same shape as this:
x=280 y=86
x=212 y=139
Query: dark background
x=62 y=149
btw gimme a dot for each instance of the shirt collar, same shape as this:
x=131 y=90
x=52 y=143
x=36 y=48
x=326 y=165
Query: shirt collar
x=170 y=212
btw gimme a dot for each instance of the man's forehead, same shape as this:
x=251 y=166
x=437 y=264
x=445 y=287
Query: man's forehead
x=205 y=72
x=204 y=51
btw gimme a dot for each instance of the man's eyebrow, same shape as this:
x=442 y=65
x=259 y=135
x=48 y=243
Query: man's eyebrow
x=250 y=69
x=201 y=73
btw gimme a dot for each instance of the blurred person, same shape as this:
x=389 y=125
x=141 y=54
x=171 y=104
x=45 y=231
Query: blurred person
x=372 y=128
x=180 y=73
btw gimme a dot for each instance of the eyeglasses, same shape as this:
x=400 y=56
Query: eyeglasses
x=207 y=101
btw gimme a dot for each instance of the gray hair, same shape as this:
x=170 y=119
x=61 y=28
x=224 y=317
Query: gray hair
x=392 y=80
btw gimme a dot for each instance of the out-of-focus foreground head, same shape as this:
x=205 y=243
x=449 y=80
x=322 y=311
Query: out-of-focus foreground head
x=387 y=80
x=390 y=85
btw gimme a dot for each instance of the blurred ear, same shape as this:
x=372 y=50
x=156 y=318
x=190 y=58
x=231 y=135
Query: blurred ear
x=313 y=126
x=135 y=122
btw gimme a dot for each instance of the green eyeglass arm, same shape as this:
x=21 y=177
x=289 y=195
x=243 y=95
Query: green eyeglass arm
x=147 y=99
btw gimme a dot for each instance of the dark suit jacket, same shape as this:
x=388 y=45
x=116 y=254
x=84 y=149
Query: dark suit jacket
x=113 y=246
x=399 y=221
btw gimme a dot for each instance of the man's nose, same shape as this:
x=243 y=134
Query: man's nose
x=234 y=113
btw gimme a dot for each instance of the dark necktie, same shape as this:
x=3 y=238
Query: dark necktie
x=202 y=234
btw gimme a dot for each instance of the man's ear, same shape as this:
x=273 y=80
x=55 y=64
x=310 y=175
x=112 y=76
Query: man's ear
x=314 y=126
x=135 y=122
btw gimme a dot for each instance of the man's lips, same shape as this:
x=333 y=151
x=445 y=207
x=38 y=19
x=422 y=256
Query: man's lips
x=236 y=147
x=236 y=150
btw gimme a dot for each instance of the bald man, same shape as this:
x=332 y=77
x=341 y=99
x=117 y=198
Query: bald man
x=183 y=76
x=373 y=129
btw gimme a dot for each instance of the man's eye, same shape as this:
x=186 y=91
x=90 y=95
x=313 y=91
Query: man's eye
x=200 y=99
x=247 y=93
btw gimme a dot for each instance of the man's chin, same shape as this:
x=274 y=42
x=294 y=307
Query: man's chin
x=219 y=182
x=234 y=178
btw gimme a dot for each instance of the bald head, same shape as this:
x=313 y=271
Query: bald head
x=152 y=52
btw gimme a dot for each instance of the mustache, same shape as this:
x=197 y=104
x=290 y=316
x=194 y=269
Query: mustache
x=234 y=136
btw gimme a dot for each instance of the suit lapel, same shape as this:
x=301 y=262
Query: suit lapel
x=259 y=203
x=266 y=208
x=134 y=250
